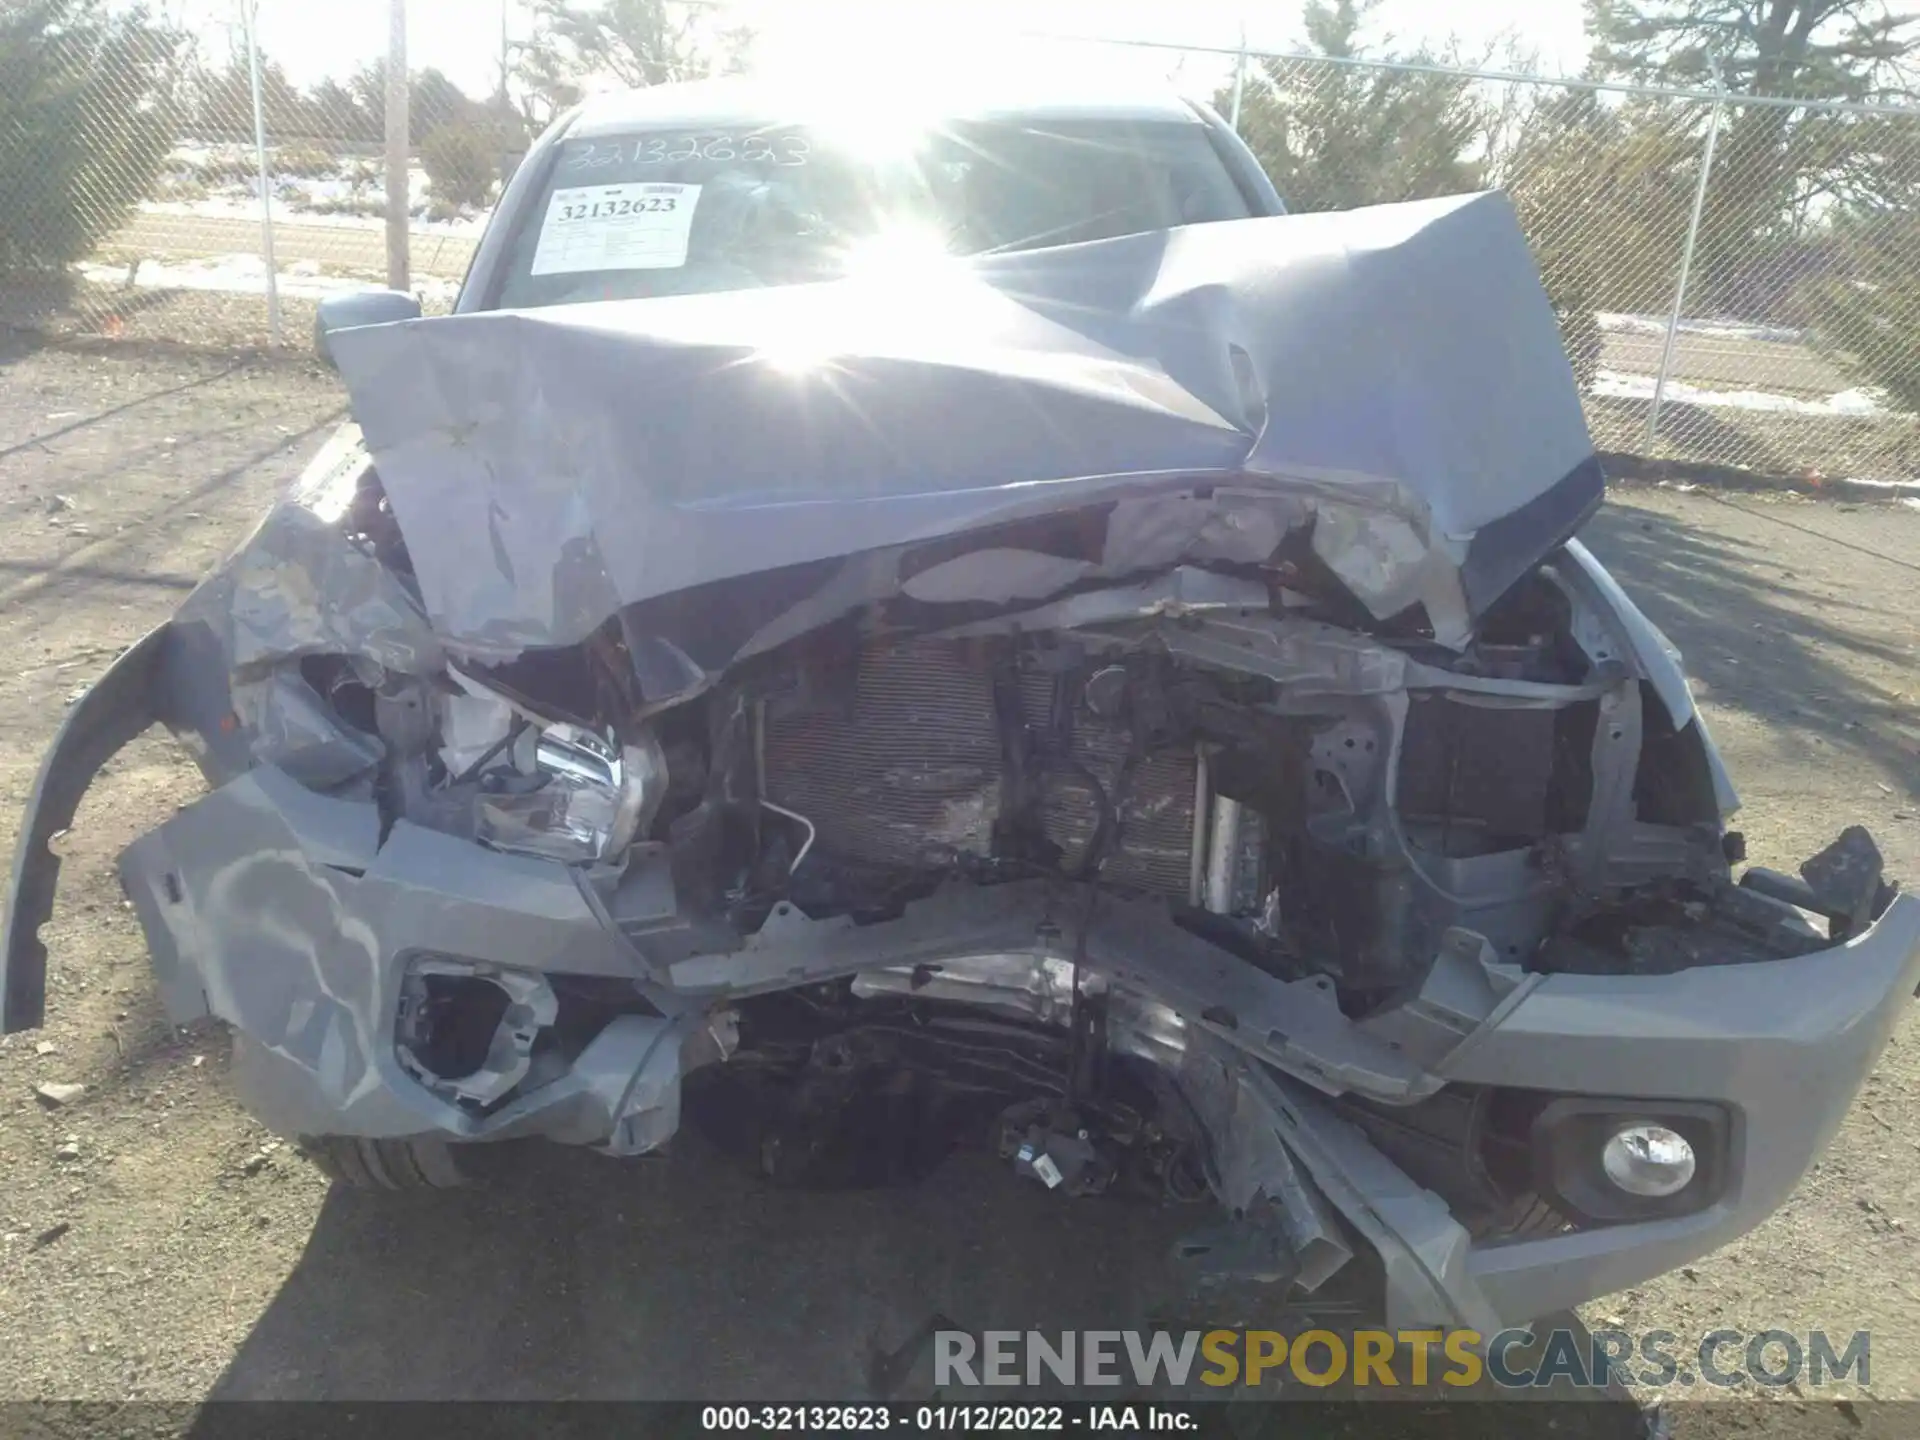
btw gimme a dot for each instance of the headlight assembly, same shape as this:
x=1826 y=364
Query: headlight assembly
x=586 y=800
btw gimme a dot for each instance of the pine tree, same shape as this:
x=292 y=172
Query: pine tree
x=1333 y=137
x=88 y=112
x=1771 y=159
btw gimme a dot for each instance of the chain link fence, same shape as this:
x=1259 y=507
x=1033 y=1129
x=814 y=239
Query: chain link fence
x=163 y=182
x=175 y=184
x=1738 y=280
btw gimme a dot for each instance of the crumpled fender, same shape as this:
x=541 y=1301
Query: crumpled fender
x=1658 y=659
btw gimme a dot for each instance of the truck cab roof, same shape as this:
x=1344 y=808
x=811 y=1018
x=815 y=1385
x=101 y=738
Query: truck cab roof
x=736 y=101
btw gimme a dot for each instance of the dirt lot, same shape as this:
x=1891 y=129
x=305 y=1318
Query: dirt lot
x=181 y=1254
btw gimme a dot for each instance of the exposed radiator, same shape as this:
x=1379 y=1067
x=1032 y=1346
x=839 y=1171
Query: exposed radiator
x=909 y=774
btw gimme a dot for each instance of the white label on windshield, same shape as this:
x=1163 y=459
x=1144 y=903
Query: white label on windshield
x=616 y=227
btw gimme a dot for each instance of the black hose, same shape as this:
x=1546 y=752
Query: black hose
x=1105 y=830
x=491 y=753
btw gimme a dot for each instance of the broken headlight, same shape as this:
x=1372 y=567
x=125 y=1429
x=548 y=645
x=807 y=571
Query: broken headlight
x=586 y=799
x=466 y=1031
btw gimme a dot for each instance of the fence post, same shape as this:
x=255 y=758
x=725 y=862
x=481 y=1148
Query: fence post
x=1239 y=77
x=249 y=15
x=399 y=188
x=1686 y=259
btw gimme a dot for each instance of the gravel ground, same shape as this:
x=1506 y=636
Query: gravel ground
x=154 y=1243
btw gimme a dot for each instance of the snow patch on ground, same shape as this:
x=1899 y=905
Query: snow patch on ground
x=1847 y=403
x=247 y=275
x=220 y=182
x=1712 y=329
x=248 y=209
x=1890 y=487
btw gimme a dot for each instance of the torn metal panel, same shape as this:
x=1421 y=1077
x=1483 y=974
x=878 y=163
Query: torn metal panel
x=549 y=468
x=1657 y=657
x=1224 y=527
x=1250 y=1161
x=1378 y=555
x=1426 y=1253
x=476 y=727
x=1182 y=591
x=1466 y=989
x=1137 y=947
x=1308 y=657
x=299 y=585
x=290 y=727
x=1163 y=529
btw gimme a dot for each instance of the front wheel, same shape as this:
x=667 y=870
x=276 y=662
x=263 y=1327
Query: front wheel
x=385 y=1164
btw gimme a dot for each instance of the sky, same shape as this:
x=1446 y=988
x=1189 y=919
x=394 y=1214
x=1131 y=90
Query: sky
x=313 y=39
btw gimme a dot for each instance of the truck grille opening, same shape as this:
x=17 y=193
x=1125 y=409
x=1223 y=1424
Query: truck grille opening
x=907 y=772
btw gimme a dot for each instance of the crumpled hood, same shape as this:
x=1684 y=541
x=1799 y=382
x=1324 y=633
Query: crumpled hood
x=1399 y=365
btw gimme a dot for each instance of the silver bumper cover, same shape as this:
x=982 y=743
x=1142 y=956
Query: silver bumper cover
x=284 y=914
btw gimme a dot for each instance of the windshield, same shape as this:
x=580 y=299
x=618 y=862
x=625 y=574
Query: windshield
x=673 y=212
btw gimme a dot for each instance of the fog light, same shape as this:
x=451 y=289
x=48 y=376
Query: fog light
x=1648 y=1160
x=1604 y=1161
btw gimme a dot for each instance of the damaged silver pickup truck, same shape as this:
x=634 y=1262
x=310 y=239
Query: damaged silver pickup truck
x=1134 y=705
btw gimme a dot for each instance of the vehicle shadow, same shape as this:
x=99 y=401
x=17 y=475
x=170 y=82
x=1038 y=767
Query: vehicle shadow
x=1621 y=423
x=1764 y=442
x=35 y=576
x=570 y=1276
x=14 y=346
x=102 y=575
x=1761 y=641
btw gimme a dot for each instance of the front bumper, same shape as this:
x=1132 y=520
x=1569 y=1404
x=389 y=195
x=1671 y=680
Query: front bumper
x=282 y=912
x=118 y=707
x=1784 y=1045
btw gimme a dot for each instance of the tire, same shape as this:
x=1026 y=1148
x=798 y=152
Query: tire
x=385 y=1164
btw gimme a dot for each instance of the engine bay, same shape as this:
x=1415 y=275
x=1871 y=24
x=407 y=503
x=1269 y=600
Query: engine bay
x=1317 y=794
x=889 y=846
x=945 y=872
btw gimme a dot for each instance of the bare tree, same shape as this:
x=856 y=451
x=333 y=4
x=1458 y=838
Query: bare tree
x=633 y=43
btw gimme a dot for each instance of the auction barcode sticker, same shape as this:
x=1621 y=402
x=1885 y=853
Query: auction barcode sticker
x=616 y=227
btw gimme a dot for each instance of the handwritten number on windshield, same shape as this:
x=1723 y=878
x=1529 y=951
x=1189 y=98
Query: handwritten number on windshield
x=593 y=157
x=755 y=149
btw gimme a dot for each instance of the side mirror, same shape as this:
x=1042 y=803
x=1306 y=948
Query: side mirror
x=365 y=307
